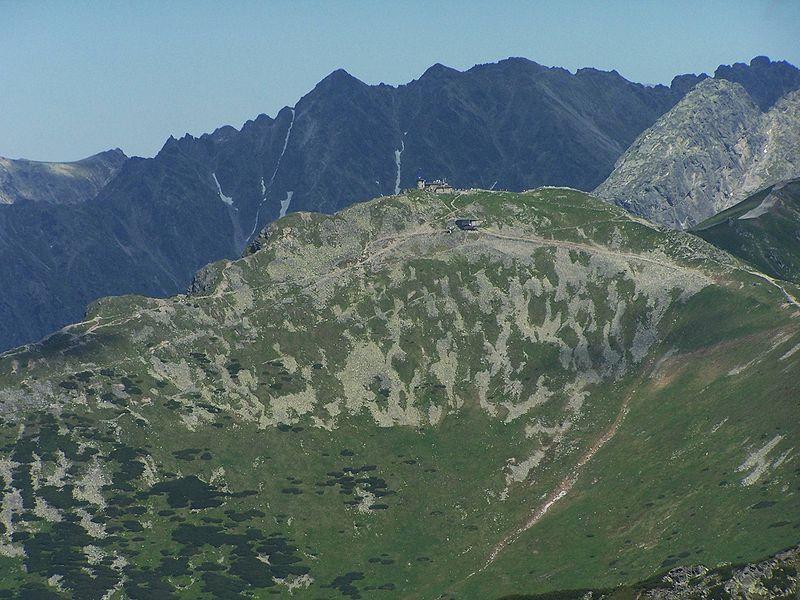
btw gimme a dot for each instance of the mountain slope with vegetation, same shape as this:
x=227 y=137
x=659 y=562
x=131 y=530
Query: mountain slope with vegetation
x=763 y=230
x=566 y=398
x=510 y=125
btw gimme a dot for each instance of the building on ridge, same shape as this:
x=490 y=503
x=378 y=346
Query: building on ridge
x=437 y=186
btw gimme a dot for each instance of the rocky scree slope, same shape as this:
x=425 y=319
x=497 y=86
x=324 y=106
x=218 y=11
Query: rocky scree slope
x=369 y=406
x=763 y=230
x=712 y=150
x=57 y=183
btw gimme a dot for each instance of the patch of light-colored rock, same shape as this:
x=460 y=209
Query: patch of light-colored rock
x=285 y=204
x=283 y=150
x=226 y=199
x=761 y=209
x=397 y=154
x=757 y=462
x=265 y=187
x=258 y=210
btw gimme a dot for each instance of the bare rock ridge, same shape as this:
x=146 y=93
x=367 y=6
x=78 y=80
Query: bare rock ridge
x=713 y=149
x=766 y=81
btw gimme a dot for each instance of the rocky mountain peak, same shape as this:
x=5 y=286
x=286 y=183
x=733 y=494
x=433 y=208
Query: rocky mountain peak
x=717 y=88
x=765 y=80
x=438 y=72
x=710 y=151
x=114 y=154
x=339 y=80
x=683 y=83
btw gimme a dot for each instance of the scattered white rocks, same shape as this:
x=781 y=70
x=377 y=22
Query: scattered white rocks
x=757 y=463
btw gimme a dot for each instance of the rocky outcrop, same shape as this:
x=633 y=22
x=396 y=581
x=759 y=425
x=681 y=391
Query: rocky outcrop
x=710 y=151
x=775 y=577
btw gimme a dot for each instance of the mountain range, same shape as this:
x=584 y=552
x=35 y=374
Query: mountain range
x=511 y=125
x=375 y=404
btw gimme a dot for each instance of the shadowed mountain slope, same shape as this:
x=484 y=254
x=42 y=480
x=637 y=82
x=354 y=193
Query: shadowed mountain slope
x=766 y=81
x=763 y=230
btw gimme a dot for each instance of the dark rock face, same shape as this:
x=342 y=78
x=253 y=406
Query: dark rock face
x=514 y=125
x=766 y=81
x=714 y=148
x=56 y=259
x=57 y=183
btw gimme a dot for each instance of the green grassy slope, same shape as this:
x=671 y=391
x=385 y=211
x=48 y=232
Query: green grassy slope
x=763 y=230
x=370 y=406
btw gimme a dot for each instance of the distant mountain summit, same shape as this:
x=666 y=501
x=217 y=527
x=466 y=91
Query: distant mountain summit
x=57 y=182
x=723 y=141
x=766 y=81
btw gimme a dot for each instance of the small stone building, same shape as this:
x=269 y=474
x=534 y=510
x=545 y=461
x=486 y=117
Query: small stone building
x=437 y=186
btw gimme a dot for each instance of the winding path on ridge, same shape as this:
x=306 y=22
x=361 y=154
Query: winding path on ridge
x=426 y=229
x=789 y=297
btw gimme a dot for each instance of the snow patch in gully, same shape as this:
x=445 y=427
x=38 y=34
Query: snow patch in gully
x=226 y=199
x=285 y=204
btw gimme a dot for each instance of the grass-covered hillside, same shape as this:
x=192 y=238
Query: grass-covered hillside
x=370 y=405
x=763 y=230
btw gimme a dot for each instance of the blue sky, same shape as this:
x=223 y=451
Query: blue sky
x=77 y=78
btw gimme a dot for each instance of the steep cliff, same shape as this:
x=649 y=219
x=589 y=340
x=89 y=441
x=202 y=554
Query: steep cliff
x=713 y=149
